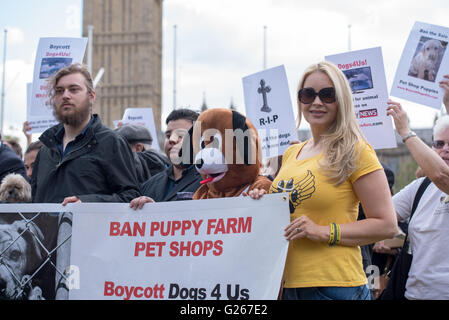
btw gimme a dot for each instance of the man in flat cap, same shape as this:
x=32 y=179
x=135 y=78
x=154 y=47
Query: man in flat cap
x=148 y=161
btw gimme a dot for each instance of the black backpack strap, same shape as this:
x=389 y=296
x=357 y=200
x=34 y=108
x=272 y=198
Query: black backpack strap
x=424 y=184
x=422 y=187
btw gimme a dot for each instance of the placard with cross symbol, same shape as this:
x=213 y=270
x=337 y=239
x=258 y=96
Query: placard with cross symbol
x=264 y=90
x=268 y=105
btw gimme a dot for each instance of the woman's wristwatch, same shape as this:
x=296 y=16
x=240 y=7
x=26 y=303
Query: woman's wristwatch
x=408 y=136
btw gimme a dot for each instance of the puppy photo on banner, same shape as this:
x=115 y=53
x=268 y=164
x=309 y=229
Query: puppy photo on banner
x=31 y=246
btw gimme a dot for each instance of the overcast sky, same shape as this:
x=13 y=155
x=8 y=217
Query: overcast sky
x=221 y=41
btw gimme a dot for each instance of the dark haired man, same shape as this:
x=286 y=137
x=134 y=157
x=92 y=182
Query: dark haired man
x=30 y=156
x=81 y=159
x=175 y=182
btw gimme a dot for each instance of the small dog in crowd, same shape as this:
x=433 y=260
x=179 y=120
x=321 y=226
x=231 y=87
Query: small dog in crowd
x=15 y=189
x=20 y=255
x=425 y=63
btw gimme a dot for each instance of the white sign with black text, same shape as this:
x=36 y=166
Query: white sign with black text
x=269 y=107
x=141 y=117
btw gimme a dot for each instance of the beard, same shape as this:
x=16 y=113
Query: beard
x=75 y=118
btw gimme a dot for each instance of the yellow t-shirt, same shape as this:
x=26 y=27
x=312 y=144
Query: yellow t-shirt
x=315 y=264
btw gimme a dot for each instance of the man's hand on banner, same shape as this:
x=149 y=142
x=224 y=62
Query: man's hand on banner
x=72 y=199
x=138 y=203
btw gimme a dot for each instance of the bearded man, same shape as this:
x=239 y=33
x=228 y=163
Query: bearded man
x=81 y=159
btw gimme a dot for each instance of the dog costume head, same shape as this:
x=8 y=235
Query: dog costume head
x=14 y=188
x=225 y=150
x=21 y=254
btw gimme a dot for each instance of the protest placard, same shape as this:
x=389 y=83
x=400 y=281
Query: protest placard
x=423 y=63
x=141 y=117
x=365 y=72
x=52 y=54
x=216 y=249
x=269 y=107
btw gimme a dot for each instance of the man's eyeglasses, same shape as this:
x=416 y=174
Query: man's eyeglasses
x=439 y=144
x=308 y=95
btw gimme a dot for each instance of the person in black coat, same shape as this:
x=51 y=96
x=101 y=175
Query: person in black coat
x=81 y=160
x=10 y=162
x=149 y=161
x=176 y=182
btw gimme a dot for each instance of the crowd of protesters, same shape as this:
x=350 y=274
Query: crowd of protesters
x=81 y=160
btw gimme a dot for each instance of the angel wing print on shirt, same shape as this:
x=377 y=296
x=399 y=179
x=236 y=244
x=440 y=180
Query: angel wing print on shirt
x=298 y=192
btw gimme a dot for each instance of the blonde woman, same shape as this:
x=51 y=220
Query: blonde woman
x=326 y=177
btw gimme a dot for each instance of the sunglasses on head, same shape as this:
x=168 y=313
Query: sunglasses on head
x=308 y=95
x=439 y=144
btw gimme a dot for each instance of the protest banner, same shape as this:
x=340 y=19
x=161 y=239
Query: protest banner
x=216 y=249
x=269 y=107
x=141 y=117
x=52 y=54
x=423 y=63
x=365 y=72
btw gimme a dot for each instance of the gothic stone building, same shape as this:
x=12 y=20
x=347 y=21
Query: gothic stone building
x=127 y=43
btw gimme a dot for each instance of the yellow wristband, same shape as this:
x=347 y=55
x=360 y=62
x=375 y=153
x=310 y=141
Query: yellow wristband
x=337 y=234
x=332 y=235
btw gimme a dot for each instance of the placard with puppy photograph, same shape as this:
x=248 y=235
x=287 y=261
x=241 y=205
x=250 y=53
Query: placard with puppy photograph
x=423 y=63
x=365 y=72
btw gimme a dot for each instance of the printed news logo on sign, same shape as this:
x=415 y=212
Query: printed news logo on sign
x=364 y=70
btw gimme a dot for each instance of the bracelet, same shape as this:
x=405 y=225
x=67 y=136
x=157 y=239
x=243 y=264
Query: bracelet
x=332 y=235
x=335 y=234
x=408 y=136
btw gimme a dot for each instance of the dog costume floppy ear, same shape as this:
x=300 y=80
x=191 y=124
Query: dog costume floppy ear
x=239 y=122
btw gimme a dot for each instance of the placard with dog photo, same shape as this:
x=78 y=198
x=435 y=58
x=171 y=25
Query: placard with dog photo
x=423 y=63
x=365 y=72
x=52 y=55
x=34 y=252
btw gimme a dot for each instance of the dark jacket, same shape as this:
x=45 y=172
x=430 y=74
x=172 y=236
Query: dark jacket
x=10 y=163
x=98 y=168
x=157 y=186
x=149 y=163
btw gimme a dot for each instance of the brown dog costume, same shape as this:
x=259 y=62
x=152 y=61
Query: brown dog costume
x=225 y=148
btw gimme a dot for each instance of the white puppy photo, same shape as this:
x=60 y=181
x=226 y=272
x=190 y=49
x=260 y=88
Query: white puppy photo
x=427 y=59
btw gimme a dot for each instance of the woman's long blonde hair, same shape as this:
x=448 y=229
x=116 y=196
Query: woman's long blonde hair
x=341 y=140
